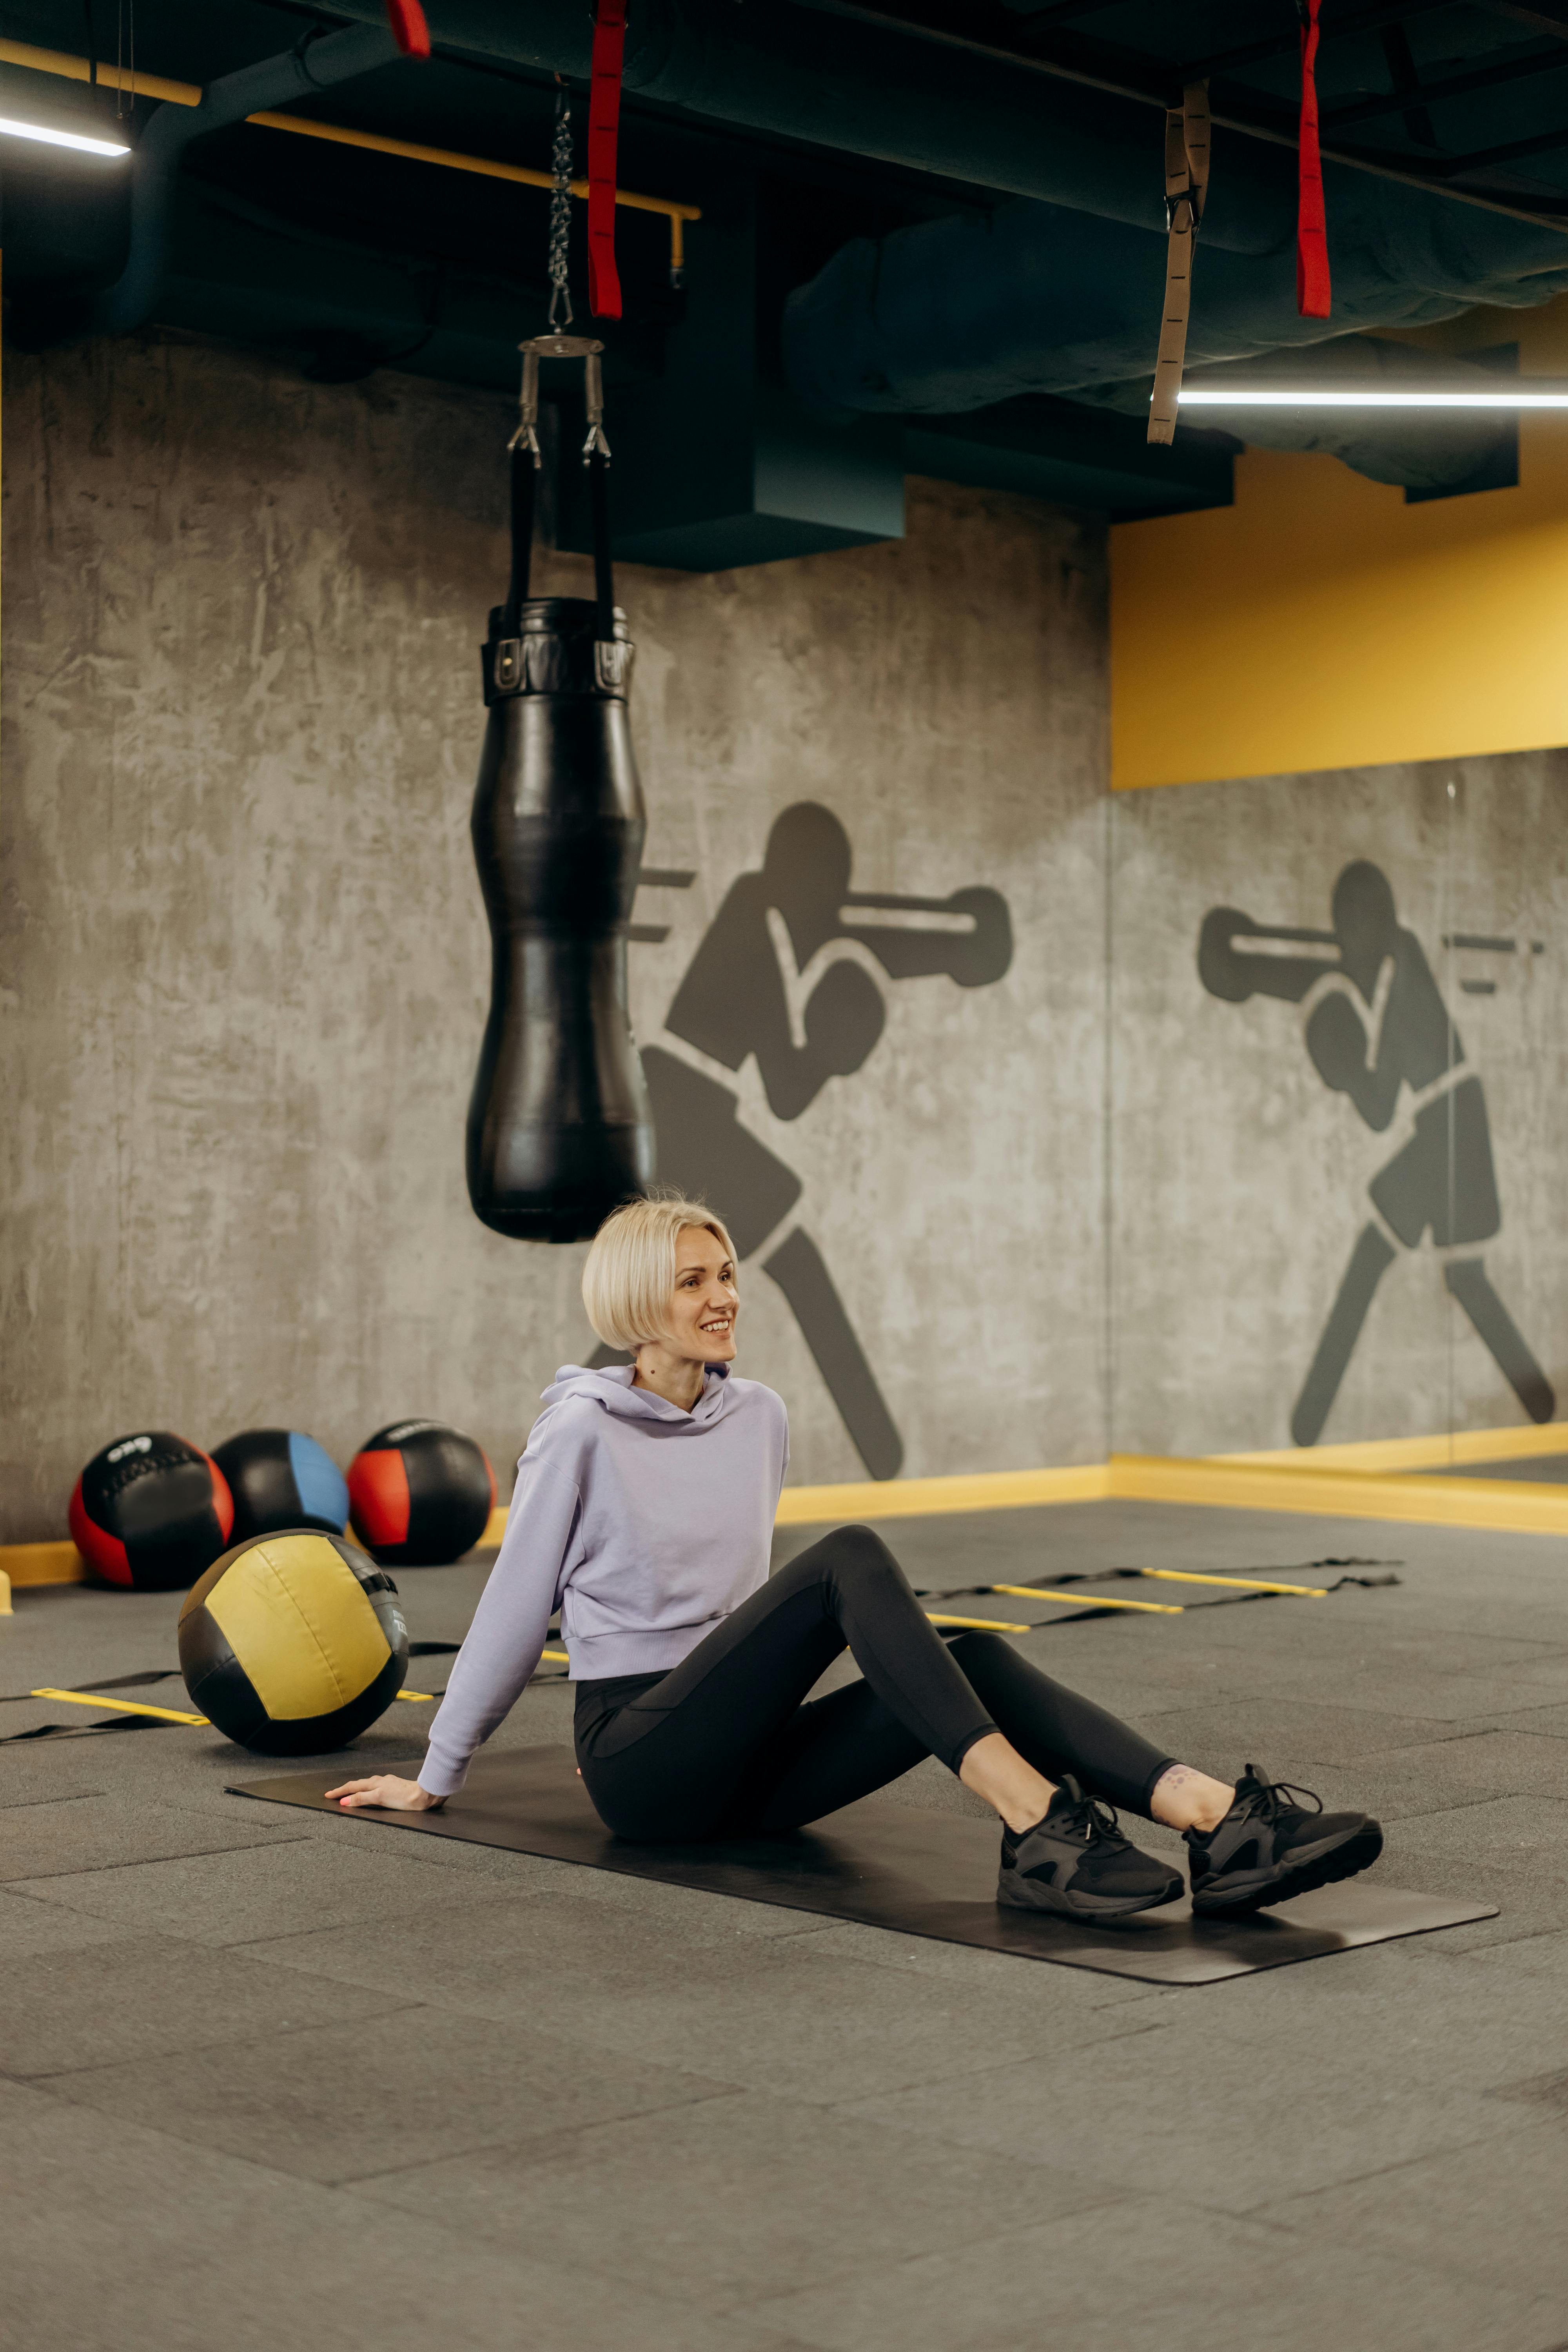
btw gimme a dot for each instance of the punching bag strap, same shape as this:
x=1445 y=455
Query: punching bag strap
x=523 y=465
x=607 y=654
x=604 y=575
x=1186 y=189
x=509 y=666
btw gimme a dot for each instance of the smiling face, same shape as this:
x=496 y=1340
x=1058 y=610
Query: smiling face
x=705 y=1303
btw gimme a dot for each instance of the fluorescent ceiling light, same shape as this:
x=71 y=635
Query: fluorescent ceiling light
x=9 y=130
x=1506 y=397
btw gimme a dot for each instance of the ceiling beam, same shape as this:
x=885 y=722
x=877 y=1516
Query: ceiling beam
x=1275 y=126
x=1288 y=45
x=1433 y=93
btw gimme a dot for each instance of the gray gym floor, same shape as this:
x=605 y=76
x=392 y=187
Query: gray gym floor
x=270 y=2078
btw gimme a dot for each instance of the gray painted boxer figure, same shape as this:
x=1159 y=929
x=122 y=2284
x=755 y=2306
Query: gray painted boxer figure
x=1381 y=1025
x=771 y=978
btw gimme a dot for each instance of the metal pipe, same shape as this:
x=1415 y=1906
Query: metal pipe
x=676 y=214
x=993 y=117
x=314 y=66
x=189 y=93
x=69 y=68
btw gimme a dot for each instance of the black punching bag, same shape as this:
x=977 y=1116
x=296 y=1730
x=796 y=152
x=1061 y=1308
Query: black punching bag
x=560 y=1129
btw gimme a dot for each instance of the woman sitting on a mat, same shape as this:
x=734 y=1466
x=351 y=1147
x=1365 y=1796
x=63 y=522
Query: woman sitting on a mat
x=644 y=1511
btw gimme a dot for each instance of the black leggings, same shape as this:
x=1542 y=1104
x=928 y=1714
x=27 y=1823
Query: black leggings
x=725 y=1743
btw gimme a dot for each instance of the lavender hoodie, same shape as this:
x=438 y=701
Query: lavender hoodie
x=643 y=1523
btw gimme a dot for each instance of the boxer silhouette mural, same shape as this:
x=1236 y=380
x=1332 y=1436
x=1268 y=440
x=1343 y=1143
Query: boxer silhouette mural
x=1379 y=1026
x=776 y=976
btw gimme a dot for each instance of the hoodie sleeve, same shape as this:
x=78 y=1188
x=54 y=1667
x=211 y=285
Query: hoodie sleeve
x=504 y=1641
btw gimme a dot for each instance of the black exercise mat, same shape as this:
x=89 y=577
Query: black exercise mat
x=889 y=1865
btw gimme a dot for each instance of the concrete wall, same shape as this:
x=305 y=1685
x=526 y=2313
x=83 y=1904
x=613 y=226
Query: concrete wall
x=245 y=964
x=1240 y=1179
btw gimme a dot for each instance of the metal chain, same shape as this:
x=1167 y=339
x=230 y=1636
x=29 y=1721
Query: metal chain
x=561 y=214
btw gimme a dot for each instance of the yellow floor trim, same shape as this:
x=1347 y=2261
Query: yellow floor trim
x=43 y=1563
x=909 y=1498
x=1505 y=1504
x=1419 y=1453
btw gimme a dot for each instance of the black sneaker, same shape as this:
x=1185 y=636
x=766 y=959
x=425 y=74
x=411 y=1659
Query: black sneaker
x=1268 y=1849
x=1076 y=1864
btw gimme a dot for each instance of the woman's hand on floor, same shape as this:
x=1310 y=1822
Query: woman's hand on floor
x=387 y=1791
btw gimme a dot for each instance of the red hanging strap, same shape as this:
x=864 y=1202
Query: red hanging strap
x=1313 y=296
x=409 y=30
x=603 y=122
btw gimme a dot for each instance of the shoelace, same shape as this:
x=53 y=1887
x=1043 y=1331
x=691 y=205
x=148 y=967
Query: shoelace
x=1092 y=1819
x=1267 y=1803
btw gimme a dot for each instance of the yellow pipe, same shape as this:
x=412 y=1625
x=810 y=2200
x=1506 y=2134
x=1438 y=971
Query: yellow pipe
x=487 y=169
x=1088 y=1600
x=187 y=93
x=69 y=68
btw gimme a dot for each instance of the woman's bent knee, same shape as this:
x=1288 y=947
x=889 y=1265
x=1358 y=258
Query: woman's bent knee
x=861 y=1551
x=974 y=1651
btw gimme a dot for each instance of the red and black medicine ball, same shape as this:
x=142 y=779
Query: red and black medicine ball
x=420 y=1494
x=150 y=1512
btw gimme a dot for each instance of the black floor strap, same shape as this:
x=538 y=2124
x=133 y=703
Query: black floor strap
x=81 y=1730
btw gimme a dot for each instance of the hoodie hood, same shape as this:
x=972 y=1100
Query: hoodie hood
x=610 y=1387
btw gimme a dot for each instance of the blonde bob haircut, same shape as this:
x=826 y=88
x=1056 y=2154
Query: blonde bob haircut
x=629 y=1278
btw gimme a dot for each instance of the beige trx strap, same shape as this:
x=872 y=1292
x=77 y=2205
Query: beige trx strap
x=1186 y=186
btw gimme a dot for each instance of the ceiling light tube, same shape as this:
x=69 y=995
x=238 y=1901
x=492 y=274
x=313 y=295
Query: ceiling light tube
x=11 y=130
x=1506 y=397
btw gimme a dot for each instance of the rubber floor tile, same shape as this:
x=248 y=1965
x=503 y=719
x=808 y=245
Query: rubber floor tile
x=998 y=1977
x=95 y=1833
x=1522 y=1834
x=736 y=2198
x=1500 y=2221
x=1141 y=2276
x=503 y=1952
x=1552 y=1720
x=27 y=1928
x=1530 y=1903
x=1439 y=1776
x=1182 y=2101
x=277 y=1889
x=1544 y=1956
x=136 y=1998
x=1408 y=2014
x=340 y=2102
x=1224 y=1736
x=758 y=2013
x=192 y=2247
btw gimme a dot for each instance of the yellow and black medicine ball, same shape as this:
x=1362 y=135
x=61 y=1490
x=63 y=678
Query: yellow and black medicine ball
x=293 y=1642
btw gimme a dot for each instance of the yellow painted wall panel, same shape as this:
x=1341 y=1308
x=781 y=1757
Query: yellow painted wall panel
x=1322 y=622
